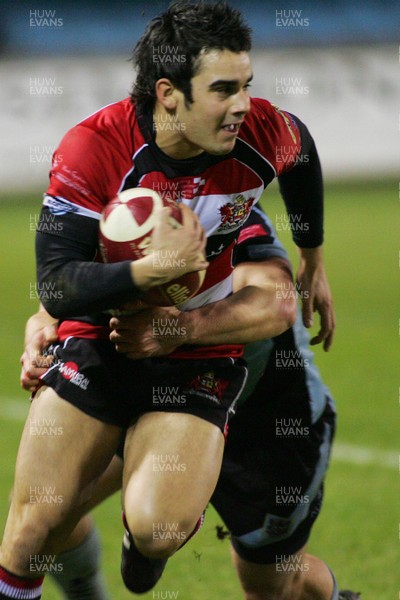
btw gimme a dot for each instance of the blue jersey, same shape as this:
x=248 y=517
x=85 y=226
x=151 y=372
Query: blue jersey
x=287 y=357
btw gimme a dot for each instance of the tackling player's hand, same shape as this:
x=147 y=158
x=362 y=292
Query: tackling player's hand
x=316 y=296
x=151 y=332
x=41 y=331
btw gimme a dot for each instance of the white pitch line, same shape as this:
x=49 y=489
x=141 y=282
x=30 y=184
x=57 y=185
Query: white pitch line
x=362 y=455
x=17 y=410
x=14 y=410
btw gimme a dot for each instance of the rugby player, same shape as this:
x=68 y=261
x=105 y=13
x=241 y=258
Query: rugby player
x=267 y=469
x=219 y=157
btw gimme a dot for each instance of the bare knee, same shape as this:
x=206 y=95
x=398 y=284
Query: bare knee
x=158 y=537
x=28 y=533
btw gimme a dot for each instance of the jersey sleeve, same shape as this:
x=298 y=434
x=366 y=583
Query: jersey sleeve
x=285 y=142
x=302 y=191
x=258 y=240
x=87 y=171
x=274 y=133
x=70 y=281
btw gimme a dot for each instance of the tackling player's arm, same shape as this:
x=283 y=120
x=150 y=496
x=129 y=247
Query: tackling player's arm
x=255 y=311
x=40 y=331
x=263 y=304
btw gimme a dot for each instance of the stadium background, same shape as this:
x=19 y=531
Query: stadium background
x=336 y=65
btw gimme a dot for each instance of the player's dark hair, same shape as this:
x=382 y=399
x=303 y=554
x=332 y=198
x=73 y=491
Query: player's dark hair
x=171 y=45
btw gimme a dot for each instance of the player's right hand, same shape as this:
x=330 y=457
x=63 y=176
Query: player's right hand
x=173 y=251
x=185 y=244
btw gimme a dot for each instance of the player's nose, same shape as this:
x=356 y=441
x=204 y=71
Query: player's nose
x=241 y=103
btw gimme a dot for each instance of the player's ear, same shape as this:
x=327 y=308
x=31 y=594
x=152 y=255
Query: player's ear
x=165 y=93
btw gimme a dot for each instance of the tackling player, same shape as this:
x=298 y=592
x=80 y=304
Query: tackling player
x=219 y=157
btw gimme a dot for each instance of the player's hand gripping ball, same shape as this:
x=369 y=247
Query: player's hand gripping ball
x=125 y=232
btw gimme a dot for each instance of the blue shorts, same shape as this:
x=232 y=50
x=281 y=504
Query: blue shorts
x=277 y=452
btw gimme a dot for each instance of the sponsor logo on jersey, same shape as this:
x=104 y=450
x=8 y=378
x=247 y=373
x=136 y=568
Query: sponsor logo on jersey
x=59 y=207
x=291 y=124
x=70 y=371
x=234 y=214
x=174 y=190
x=190 y=187
x=208 y=386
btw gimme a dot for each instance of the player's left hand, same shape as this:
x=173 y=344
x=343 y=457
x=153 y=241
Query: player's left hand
x=150 y=332
x=316 y=296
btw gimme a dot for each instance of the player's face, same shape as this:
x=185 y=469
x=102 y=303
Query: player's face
x=220 y=102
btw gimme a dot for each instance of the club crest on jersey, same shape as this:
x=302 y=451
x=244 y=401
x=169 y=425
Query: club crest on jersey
x=234 y=214
x=208 y=386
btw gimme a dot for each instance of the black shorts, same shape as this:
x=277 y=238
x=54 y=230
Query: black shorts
x=92 y=376
x=271 y=485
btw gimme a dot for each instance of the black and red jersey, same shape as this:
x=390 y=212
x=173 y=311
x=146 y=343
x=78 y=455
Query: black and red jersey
x=114 y=149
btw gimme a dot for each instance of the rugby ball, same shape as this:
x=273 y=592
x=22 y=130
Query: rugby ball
x=126 y=226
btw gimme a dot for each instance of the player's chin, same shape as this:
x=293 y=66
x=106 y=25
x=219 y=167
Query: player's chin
x=223 y=147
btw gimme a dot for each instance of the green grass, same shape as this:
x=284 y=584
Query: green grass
x=357 y=532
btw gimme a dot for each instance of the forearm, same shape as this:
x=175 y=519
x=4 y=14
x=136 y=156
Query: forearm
x=70 y=282
x=80 y=288
x=37 y=322
x=254 y=312
x=232 y=321
x=263 y=305
x=311 y=256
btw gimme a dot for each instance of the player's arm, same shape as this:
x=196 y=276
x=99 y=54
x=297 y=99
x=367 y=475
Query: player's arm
x=258 y=309
x=263 y=303
x=86 y=172
x=302 y=190
x=72 y=284
x=255 y=311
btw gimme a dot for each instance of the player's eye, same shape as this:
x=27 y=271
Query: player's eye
x=224 y=91
x=229 y=90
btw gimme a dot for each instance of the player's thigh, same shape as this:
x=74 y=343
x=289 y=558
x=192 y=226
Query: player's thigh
x=271 y=581
x=74 y=440
x=106 y=485
x=171 y=466
x=61 y=453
